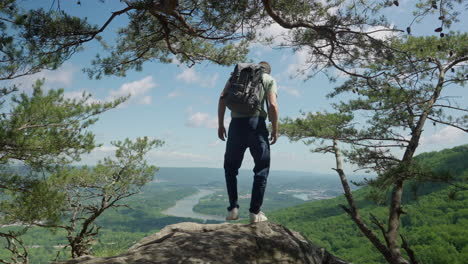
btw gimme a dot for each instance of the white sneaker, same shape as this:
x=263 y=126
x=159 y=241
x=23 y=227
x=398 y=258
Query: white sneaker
x=233 y=214
x=260 y=217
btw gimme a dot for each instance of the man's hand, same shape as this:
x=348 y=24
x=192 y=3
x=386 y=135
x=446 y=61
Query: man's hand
x=273 y=137
x=222 y=133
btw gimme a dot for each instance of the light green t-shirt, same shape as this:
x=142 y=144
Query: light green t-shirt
x=270 y=87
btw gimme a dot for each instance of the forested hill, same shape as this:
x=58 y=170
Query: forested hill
x=436 y=223
x=452 y=162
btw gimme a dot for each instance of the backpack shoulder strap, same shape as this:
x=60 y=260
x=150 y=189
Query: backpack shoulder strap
x=266 y=95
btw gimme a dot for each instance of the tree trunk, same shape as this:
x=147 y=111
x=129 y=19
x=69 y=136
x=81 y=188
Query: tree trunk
x=78 y=249
x=353 y=211
x=392 y=235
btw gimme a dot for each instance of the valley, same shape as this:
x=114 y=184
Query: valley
x=435 y=224
x=176 y=195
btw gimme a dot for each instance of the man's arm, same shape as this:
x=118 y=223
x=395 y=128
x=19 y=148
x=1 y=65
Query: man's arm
x=273 y=114
x=221 y=111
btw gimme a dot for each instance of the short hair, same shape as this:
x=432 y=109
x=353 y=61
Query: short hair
x=266 y=65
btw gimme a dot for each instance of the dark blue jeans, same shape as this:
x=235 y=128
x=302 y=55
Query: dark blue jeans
x=248 y=132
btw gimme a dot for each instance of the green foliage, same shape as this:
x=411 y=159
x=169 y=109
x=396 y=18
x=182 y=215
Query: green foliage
x=208 y=33
x=51 y=128
x=40 y=202
x=43 y=131
x=395 y=94
x=281 y=192
x=432 y=221
x=449 y=169
x=36 y=39
x=446 y=11
x=335 y=33
x=127 y=171
x=33 y=40
x=405 y=93
x=121 y=228
x=450 y=160
x=435 y=226
x=46 y=132
x=317 y=125
x=89 y=192
x=216 y=203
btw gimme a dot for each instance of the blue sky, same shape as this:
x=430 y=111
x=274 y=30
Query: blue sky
x=179 y=104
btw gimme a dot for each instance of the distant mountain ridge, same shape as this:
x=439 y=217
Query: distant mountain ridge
x=210 y=176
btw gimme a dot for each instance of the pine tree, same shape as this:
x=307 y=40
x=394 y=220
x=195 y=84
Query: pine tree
x=388 y=108
x=40 y=134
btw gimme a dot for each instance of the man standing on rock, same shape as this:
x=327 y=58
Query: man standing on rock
x=245 y=93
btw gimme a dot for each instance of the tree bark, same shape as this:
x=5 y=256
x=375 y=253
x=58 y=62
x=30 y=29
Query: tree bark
x=353 y=211
x=394 y=224
x=395 y=209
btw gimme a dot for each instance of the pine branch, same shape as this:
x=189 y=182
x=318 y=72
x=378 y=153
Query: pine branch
x=353 y=210
x=455 y=62
x=286 y=24
x=448 y=124
x=408 y=250
x=452 y=107
x=376 y=222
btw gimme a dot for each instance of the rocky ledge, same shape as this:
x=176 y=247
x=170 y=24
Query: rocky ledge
x=191 y=243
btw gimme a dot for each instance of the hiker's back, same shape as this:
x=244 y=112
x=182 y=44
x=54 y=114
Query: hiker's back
x=246 y=93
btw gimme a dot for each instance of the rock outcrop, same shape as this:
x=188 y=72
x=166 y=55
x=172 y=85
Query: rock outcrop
x=190 y=243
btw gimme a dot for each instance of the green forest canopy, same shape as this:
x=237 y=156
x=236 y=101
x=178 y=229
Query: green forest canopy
x=436 y=226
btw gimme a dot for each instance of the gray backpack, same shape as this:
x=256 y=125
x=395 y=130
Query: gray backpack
x=243 y=95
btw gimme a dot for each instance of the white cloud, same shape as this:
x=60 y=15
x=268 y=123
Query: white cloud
x=60 y=78
x=106 y=149
x=211 y=82
x=79 y=95
x=292 y=91
x=447 y=135
x=274 y=33
x=333 y=10
x=145 y=100
x=135 y=88
x=200 y=119
x=300 y=65
x=138 y=90
x=97 y=154
x=176 y=61
x=190 y=76
x=381 y=32
x=302 y=59
x=174 y=94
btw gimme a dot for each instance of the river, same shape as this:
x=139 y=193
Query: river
x=184 y=207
